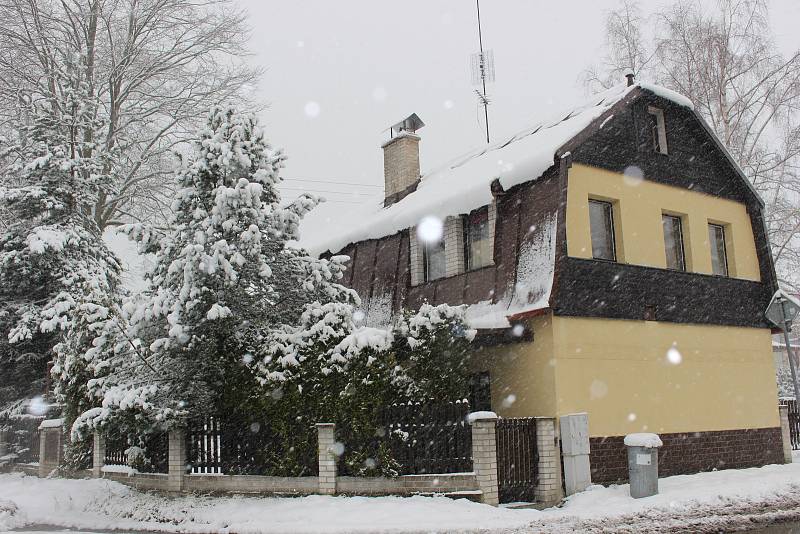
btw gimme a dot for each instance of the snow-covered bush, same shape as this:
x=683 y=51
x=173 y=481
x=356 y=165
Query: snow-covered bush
x=329 y=369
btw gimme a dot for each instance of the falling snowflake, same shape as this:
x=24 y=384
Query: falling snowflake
x=633 y=175
x=37 y=406
x=430 y=229
x=312 y=109
x=674 y=356
x=379 y=94
x=598 y=389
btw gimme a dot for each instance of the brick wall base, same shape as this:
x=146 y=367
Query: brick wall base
x=691 y=452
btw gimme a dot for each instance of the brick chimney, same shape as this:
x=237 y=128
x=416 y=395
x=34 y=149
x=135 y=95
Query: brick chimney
x=401 y=160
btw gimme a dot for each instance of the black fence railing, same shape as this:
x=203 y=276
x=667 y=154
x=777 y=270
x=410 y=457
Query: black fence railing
x=148 y=453
x=238 y=445
x=794 y=422
x=22 y=437
x=517 y=459
x=427 y=438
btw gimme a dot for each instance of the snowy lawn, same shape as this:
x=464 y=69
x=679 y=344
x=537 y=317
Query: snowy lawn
x=706 y=502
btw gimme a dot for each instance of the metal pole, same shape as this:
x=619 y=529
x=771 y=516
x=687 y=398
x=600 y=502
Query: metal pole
x=482 y=67
x=787 y=327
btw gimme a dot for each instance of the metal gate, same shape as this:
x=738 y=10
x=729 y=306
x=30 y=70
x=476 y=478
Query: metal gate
x=517 y=459
x=794 y=422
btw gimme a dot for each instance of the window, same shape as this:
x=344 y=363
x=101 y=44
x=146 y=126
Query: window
x=477 y=240
x=433 y=259
x=673 y=242
x=719 y=256
x=601 y=223
x=658 y=130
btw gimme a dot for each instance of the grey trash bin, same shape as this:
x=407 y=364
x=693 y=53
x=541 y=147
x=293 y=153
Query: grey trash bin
x=643 y=464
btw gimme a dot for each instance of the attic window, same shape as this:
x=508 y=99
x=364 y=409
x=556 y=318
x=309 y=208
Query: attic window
x=658 y=129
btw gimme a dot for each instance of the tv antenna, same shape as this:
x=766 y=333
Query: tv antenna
x=482 y=71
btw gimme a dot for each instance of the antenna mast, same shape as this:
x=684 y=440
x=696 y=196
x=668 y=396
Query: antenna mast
x=482 y=71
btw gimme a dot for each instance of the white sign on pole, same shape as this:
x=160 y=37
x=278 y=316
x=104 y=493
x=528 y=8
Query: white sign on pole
x=775 y=310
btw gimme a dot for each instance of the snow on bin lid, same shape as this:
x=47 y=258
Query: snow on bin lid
x=643 y=439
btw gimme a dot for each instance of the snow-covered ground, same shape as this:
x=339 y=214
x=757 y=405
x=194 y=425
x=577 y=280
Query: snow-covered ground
x=709 y=502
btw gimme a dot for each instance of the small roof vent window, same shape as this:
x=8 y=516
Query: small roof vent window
x=658 y=129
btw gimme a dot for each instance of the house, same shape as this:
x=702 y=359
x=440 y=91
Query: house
x=614 y=260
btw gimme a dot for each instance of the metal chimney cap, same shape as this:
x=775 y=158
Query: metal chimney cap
x=412 y=123
x=630 y=76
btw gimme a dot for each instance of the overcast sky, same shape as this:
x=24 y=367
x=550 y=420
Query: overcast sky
x=340 y=72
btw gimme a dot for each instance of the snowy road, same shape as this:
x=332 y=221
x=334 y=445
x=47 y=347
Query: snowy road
x=778 y=528
x=722 y=501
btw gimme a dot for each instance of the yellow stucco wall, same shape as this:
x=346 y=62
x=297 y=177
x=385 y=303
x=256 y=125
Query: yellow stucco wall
x=522 y=374
x=619 y=372
x=638 y=206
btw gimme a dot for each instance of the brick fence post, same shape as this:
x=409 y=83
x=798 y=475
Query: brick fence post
x=786 y=434
x=43 y=454
x=326 y=441
x=51 y=446
x=98 y=454
x=549 y=490
x=177 y=459
x=484 y=455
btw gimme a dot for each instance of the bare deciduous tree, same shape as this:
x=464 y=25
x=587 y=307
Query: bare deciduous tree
x=155 y=68
x=725 y=61
x=626 y=49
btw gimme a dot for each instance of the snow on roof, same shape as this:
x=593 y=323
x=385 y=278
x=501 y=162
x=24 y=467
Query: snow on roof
x=463 y=184
x=535 y=269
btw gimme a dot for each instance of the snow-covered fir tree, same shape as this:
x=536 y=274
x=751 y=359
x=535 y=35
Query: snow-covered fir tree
x=223 y=278
x=58 y=280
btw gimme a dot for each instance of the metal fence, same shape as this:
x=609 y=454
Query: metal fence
x=430 y=437
x=148 y=453
x=794 y=422
x=423 y=438
x=517 y=459
x=22 y=437
x=244 y=445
